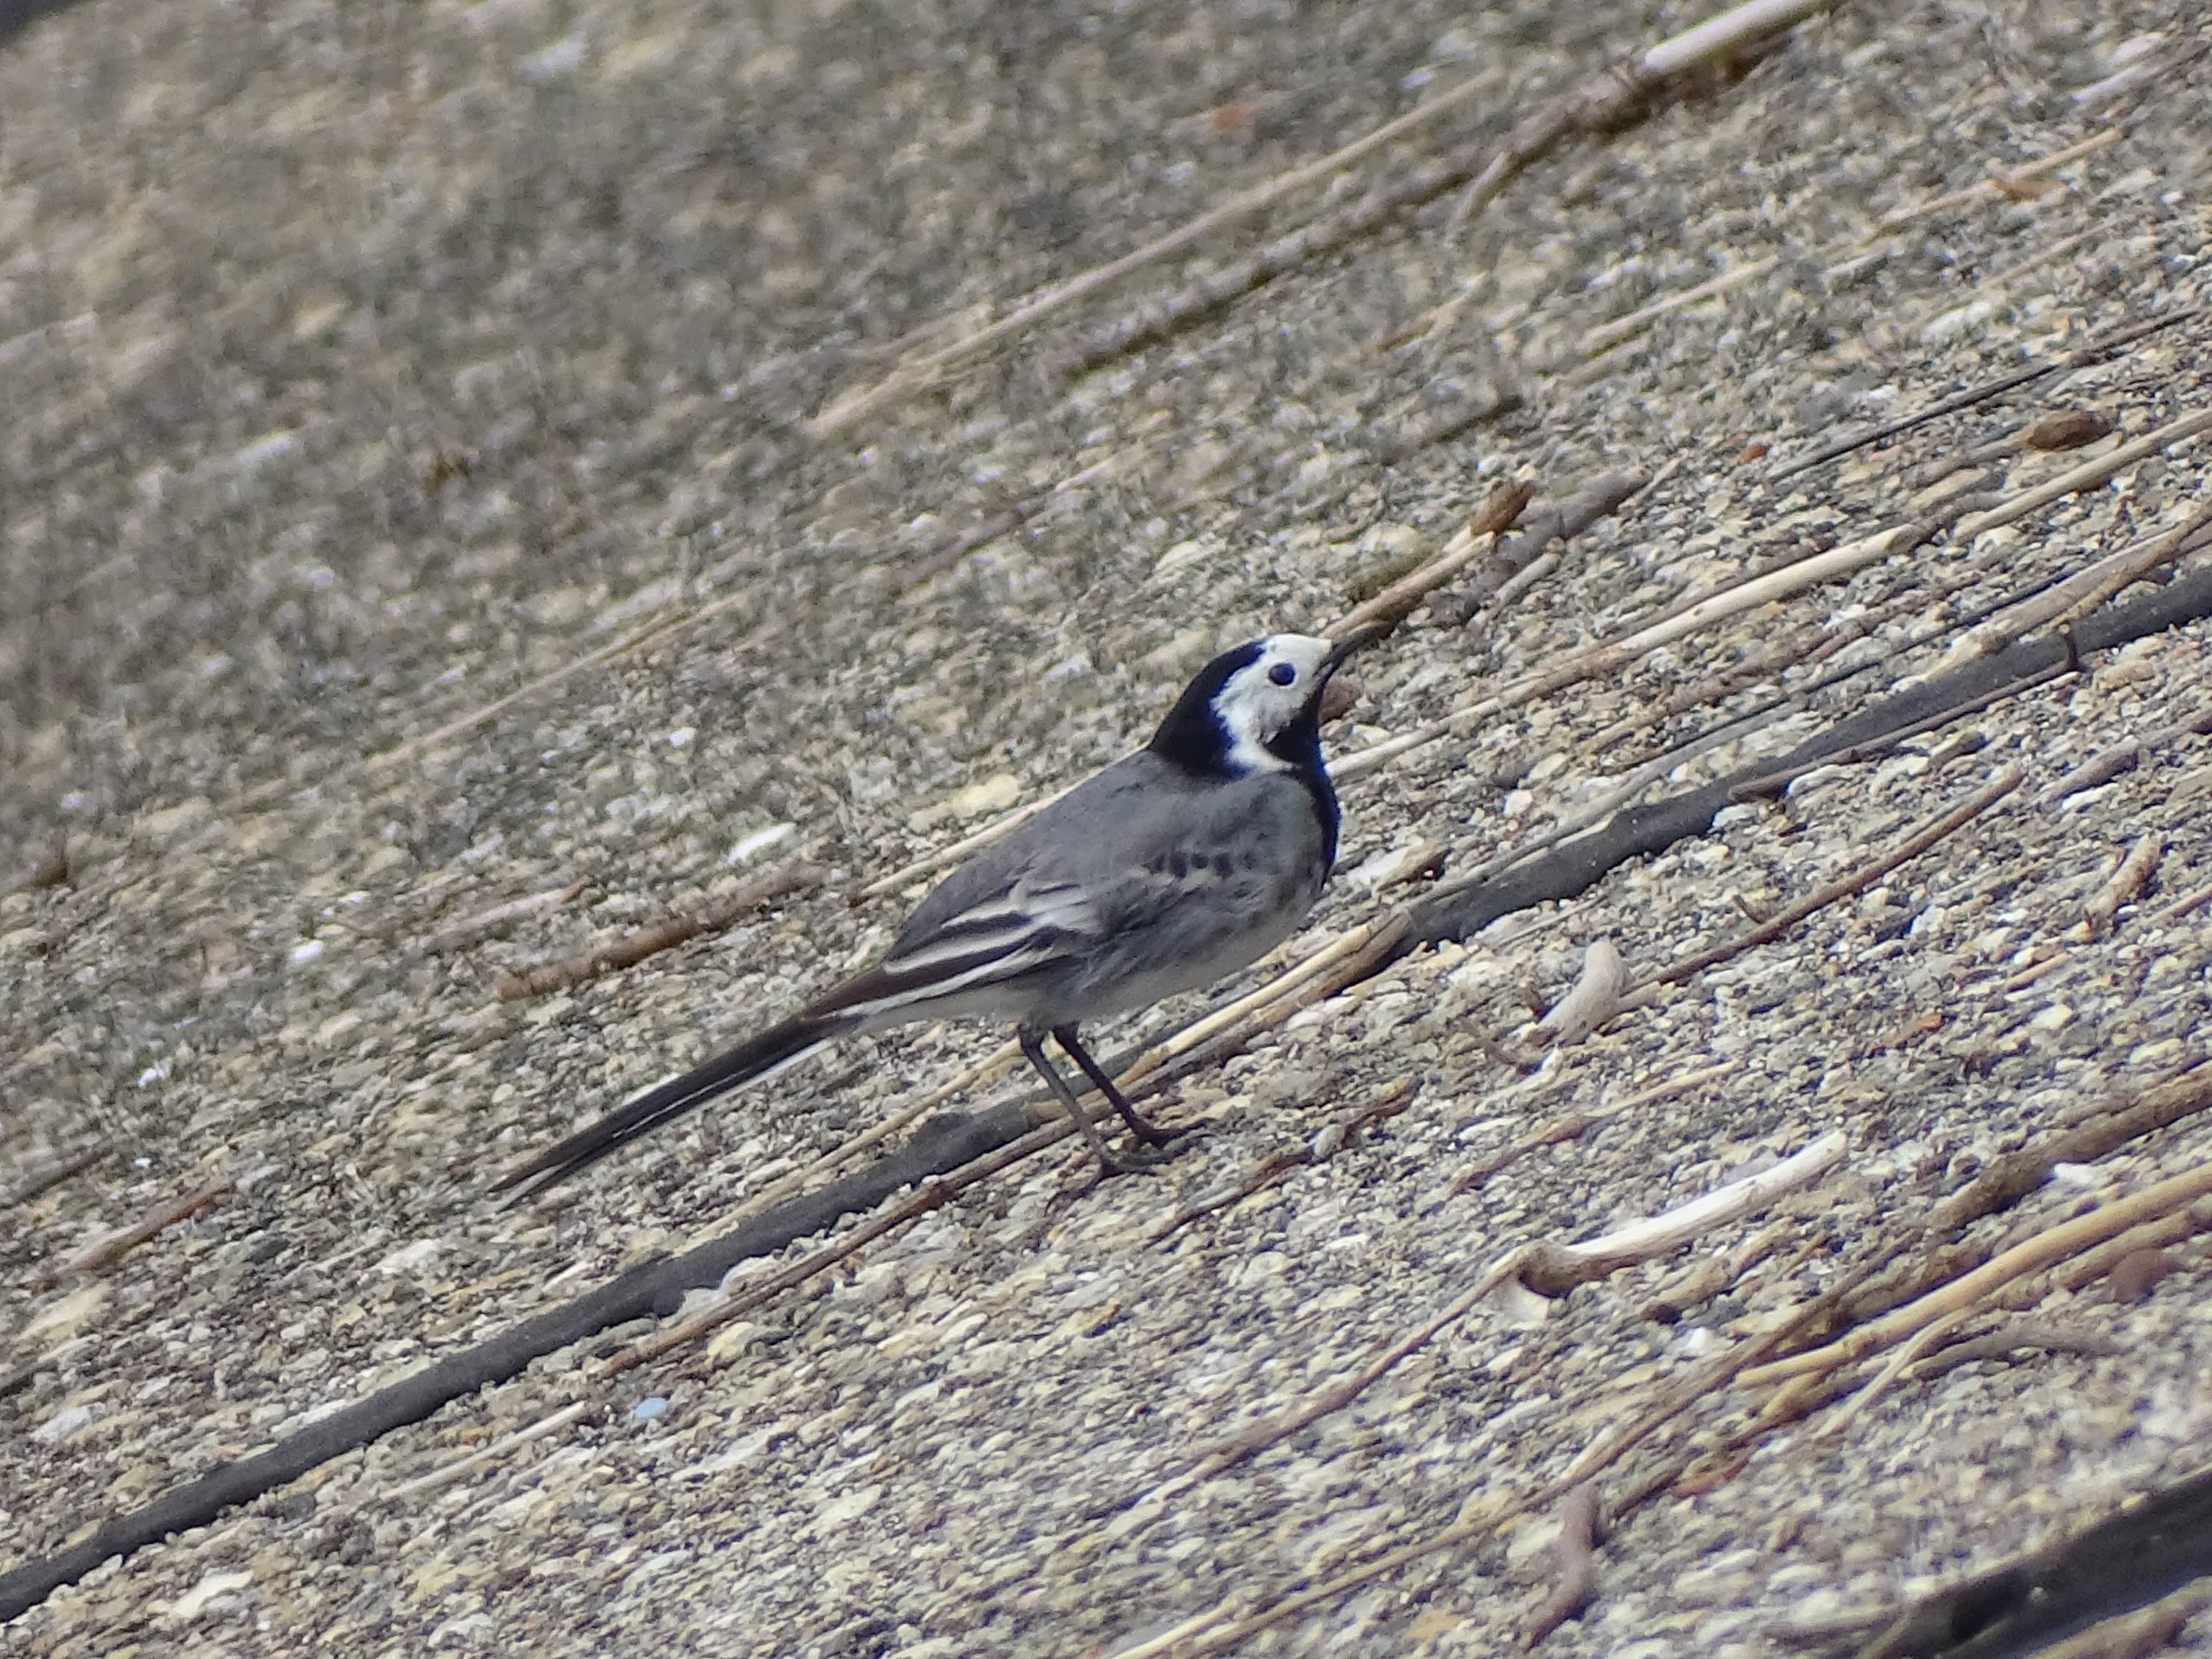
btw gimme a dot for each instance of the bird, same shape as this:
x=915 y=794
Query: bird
x=1169 y=869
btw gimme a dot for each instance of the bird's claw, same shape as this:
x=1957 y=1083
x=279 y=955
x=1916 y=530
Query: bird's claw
x=1137 y=1160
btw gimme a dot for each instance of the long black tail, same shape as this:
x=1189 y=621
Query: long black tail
x=755 y=1058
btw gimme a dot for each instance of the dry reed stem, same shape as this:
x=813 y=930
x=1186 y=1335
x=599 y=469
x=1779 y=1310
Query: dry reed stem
x=847 y=412
x=1741 y=26
x=2185 y=905
x=2013 y=1337
x=1549 y=1268
x=992 y=1066
x=106 y=1251
x=455 y=727
x=1614 y=656
x=1924 y=1343
x=1911 y=848
x=2048 y=1247
x=498 y=915
x=1998 y=184
x=665 y=934
x=1606 y=335
x=1482 y=1516
x=2127 y=334
x=928 y=1195
x=1350 y=955
x=1387 y=1103
x=2062 y=601
x=1574 y=1565
x=1572 y=1125
x=445 y=1473
x=2130 y=879
x=52 y=1174
x=2105 y=1125
x=2088 y=476
x=1495 y=517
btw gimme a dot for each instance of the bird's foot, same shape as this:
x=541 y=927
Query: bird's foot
x=1151 y=1132
x=1134 y=1159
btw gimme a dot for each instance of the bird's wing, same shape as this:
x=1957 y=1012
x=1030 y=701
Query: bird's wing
x=1006 y=938
x=1068 y=893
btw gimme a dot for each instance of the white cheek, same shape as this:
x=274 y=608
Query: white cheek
x=1262 y=708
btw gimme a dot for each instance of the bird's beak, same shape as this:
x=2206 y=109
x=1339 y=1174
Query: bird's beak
x=1339 y=649
x=1337 y=694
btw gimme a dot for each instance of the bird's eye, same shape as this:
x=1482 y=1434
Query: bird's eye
x=1282 y=673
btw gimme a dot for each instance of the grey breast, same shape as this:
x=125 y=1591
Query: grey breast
x=1219 y=876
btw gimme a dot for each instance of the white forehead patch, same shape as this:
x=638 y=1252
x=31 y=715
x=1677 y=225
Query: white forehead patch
x=1265 y=695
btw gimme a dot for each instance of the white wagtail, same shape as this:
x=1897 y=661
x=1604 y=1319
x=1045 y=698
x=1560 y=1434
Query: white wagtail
x=1196 y=855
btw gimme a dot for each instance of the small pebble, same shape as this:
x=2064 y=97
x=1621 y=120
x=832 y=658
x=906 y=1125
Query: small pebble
x=2067 y=428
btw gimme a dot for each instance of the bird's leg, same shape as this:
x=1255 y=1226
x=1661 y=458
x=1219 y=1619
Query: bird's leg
x=1147 y=1131
x=1032 y=1045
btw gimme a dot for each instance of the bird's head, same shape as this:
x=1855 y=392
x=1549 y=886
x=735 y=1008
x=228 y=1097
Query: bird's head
x=1256 y=708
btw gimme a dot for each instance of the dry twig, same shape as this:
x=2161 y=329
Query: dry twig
x=1574 y=1562
x=2107 y=1125
x=2110 y=1259
x=1549 y=1268
x=1570 y=1125
x=848 y=411
x=2000 y=187
x=1554 y=1269
x=490 y=711
x=1393 y=1099
x=1616 y=655
x=2013 y=1337
x=2121 y=758
x=685 y=925
x=2051 y=1245
x=1508 y=571
x=1606 y=335
x=1911 y=848
x=992 y=1066
x=1923 y=1344
x=1598 y=994
x=49 y=1175
x=1396 y=602
x=2062 y=602
x=2139 y=1554
x=52 y=870
x=930 y=1195
x=2126 y=335
x=461 y=1467
x=2088 y=476
x=1947 y=713
x=1217 y=1629
x=1808 y=648
x=106 y=1251
x=2130 y=879
x=2109 y=576
x=498 y=916
x=2138 y=1636
x=2181 y=907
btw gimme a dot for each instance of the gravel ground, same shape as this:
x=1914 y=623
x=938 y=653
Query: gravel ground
x=414 y=500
